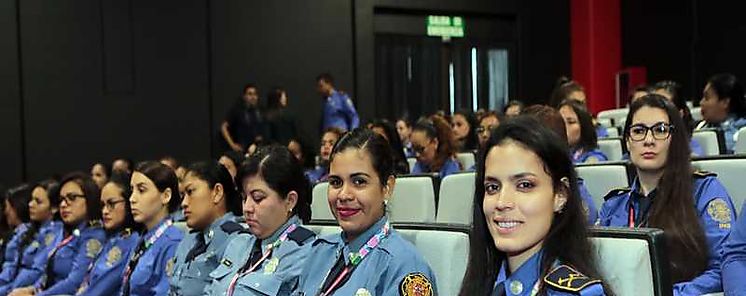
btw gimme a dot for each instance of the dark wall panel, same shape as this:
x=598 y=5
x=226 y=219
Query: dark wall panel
x=280 y=43
x=72 y=122
x=10 y=100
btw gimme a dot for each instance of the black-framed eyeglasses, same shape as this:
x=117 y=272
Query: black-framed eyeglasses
x=661 y=131
x=70 y=198
x=109 y=205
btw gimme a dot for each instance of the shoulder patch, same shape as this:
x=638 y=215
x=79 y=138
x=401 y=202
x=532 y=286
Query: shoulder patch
x=704 y=174
x=616 y=192
x=565 y=278
x=416 y=284
x=113 y=256
x=719 y=211
x=300 y=235
x=231 y=227
x=92 y=248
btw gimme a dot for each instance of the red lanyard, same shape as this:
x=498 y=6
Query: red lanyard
x=631 y=216
x=59 y=246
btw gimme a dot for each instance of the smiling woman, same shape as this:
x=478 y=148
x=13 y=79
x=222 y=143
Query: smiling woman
x=370 y=256
x=528 y=217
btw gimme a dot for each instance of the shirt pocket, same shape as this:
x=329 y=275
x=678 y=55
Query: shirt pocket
x=256 y=282
x=143 y=272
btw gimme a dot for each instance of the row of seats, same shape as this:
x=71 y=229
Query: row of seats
x=467 y=160
x=632 y=261
x=415 y=198
x=617 y=117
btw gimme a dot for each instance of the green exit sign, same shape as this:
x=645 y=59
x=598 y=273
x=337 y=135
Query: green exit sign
x=445 y=26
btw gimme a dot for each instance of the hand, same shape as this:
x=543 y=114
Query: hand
x=251 y=149
x=26 y=291
x=236 y=147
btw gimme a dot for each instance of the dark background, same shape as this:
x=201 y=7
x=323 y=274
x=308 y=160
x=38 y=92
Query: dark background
x=84 y=81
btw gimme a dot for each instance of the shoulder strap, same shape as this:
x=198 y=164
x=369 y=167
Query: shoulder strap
x=616 y=192
x=300 y=235
x=565 y=278
x=231 y=227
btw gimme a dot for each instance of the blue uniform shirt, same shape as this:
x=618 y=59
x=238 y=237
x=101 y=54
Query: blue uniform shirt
x=585 y=156
x=105 y=275
x=526 y=279
x=150 y=275
x=730 y=127
x=734 y=259
x=71 y=260
x=11 y=255
x=319 y=174
x=339 y=112
x=392 y=267
x=191 y=275
x=277 y=275
x=588 y=205
x=450 y=166
x=715 y=210
x=33 y=263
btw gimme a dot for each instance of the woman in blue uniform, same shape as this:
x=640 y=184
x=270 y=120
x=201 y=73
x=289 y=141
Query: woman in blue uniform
x=211 y=205
x=37 y=241
x=529 y=226
x=105 y=273
x=368 y=257
x=734 y=259
x=16 y=214
x=581 y=135
x=433 y=142
x=80 y=241
x=155 y=194
x=267 y=258
x=693 y=209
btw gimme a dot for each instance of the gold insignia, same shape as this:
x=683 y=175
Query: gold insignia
x=35 y=244
x=170 y=266
x=565 y=278
x=49 y=239
x=271 y=266
x=113 y=256
x=416 y=284
x=92 y=247
x=719 y=211
x=362 y=292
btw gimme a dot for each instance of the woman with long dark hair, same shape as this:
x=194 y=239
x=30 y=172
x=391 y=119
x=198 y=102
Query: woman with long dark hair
x=433 y=143
x=281 y=126
x=581 y=135
x=693 y=208
x=384 y=128
x=724 y=107
x=464 y=125
x=529 y=226
x=16 y=214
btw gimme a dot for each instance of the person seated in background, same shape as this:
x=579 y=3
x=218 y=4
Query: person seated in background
x=552 y=119
x=639 y=92
x=464 y=126
x=529 y=229
x=368 y=257
x=734 y=258
x=692 y=208
x=100 y=174
x=487 y=123
x=567 y=89
x=267 y=258
x=211 y=205
x=122 y=164
x=671 y=90
x=16 y=214
x=404 y=129
x=513 y=108
x=432 y=141
x=724 y=107
x=231 y=160
x=329 y=137
x=105 y=273
x=581 y=136
x=387 y=130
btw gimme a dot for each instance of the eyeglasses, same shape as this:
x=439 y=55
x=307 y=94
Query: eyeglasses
x=109 y=205
x=661 y=131
x=70 y=198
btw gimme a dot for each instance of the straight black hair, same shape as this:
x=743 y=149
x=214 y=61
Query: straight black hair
x=215 y=173
x=588 y=138
x=122 y=180
x=376 y=146
x=726 y=85
x=19 y=197
x=471 y=142
x=164 y=178
x=90 y=190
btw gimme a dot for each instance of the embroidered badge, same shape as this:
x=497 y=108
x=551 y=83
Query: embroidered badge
x=170 y=266
x=113 y=256
x=566 y=278
x=271 y=266
x=49 y=239
x=719 y=211
x=92 y=248
x=362 y=292
x=415 y=284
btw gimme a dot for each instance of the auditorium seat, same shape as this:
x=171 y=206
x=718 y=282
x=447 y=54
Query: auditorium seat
x=319 y=202
x=711 y=141
x=466 y=159
x=413 y=199
x=612 y=148
x=612 y=132
x=456 y=199
x=603 y=177
x=696 y=113
x=730 y=170
x=740 y=147
x=615 y=116
x=632 y=261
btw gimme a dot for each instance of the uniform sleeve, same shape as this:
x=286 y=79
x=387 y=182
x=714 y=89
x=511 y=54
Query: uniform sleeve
x=29 y=276
x=10 y=263
x=588 y=204
x=88 y=250
x=604 y=215
x=168 y=253
x=110 y=282
x=348 y=109
x=716 y=213
x=734 y=259
x=409 y=275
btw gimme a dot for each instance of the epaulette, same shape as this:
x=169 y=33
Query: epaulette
x=231 y=227
x=704 y=174
x=95 y=224
x=616 y=192
x=565 y=278
x=300 y=235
